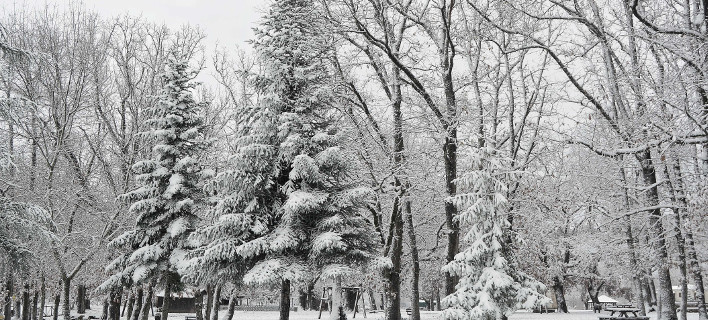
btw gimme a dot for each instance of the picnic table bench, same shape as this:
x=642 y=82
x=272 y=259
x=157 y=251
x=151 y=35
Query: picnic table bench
x=623 y=313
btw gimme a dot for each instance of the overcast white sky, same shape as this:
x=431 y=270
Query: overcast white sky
x=227 y=21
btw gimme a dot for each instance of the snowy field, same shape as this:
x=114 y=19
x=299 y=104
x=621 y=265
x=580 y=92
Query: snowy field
x=425 y=315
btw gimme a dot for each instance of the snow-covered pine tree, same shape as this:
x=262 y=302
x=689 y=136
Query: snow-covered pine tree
x=320 y=224
x=168 y=187
x=288 y=206
x=491 y=287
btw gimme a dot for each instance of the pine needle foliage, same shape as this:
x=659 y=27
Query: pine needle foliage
x=168 y=184
x=490 y=286
x=288 y=207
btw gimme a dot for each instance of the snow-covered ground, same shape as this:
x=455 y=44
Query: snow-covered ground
x=424 y=315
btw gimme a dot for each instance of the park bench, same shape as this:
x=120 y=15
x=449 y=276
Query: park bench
x=691 y=306
x=409 y=311
x=194 y=317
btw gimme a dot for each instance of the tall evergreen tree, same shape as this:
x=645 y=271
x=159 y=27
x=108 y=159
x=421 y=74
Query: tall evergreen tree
x=491 y=287
x=168 y=189
x=288 y=206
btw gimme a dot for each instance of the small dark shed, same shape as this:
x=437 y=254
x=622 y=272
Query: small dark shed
x=180 y=302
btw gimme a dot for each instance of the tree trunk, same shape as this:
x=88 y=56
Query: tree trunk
x=438 y=306
x=647 y=291
x=697 y=277
x=18 y=309
x=633 y=266
x=216 y=303
x=80 y=299
x=115 y=302
x=559 y=291
x=57 y=300
x=138 y=304
x=594 y=293
x=450 y=159
x=415 y=288
x=302 y=298
x=198 y=304
x=35 y=304
x=145 y=310
x=209 y=298
x=392 y=275
x=680 y=243
x=668 y=305
x=166 y=301
x=105 y=309
x=66 y=307
x=232 y=306
x=129 y=305
x=688 y=249
x=652 y=289
x=453 y=237
x=43 y=297
x=311 y=301
x=26 y=311
x=285 y=300
x=7 y=310
x=372 y=299
x=336 y=298
x=639 y=299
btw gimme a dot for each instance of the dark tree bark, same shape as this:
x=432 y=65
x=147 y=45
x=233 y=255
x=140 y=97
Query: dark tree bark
x=633 y=265
x=129 y=306
x=26 y=311
x=7 y=310
x=680 y=245
x=199 y=304
x=81 y=299
x=138 y=304
x=668 y=305
x=559 y=291
x=145 y=310
x=105 y=309
x=372 y=299
x=415 y=288
x=114 y=304
x=594 y=293
x=691 y=259
x=166 y=301
x=232 y=306
x=697 y=277
x=209 y=298
x=43 y=298
x=216 y=303
x=18 y=309
x=285 y=300
x=66 y=285
x=35 y=304
x=652 y=290
x=392 y=275
x=57 y=300
x=438 y=306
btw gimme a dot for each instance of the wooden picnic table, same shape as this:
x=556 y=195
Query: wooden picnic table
x=623 y=313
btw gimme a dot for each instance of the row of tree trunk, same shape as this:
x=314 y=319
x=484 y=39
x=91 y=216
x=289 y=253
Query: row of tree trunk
x=31 y=304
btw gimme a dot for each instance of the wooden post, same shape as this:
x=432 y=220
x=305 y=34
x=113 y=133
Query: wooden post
x=363 y=304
